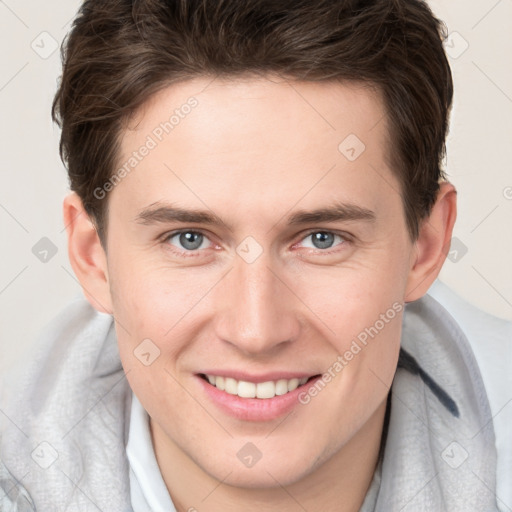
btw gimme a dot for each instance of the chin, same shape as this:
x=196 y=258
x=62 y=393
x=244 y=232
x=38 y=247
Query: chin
x=270 y=473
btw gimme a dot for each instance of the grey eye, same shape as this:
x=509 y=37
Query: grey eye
x=189 y=240
x=322 y=239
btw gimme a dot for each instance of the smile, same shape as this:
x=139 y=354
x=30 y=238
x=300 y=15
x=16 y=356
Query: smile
x=254 y=398
x=263 y=390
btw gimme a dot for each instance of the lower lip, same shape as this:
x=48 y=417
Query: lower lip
x=255 y=409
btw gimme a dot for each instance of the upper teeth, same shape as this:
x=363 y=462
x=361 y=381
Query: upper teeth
x=246 y=389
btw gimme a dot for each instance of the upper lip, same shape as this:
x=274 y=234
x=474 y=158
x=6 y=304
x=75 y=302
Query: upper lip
x=257 y=378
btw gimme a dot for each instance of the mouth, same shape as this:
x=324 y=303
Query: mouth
x=260 y=390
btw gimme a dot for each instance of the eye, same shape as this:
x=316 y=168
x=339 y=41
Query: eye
x=323 y=239
x=188 y=240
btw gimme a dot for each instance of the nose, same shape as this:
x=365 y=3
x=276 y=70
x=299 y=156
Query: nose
x=256 y=308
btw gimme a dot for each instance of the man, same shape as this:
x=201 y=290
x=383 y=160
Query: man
x=258 y=211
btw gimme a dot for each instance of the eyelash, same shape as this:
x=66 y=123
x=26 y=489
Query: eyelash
x=196 y=252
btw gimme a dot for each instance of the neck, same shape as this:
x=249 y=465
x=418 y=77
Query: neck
x=339 y=483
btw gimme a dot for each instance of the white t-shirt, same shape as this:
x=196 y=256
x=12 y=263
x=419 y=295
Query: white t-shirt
x=147 y=488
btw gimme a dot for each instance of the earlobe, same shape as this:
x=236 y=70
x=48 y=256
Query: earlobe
x=86 y=254
x=433 y=243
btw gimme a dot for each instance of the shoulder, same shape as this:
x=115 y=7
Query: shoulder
x=64 y=410
x=490 y=339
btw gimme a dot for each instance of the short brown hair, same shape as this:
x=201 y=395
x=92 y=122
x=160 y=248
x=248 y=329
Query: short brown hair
x=119 y=53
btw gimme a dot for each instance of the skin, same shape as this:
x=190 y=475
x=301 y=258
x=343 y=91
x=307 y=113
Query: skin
x=254 y=151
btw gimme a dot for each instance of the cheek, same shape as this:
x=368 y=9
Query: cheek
x=151 y=299
x=148 y=312
x=346 y=301
x=358 y=312
x=158 y=312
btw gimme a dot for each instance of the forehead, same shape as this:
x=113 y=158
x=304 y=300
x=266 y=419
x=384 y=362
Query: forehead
x=273 y=108
x=268 y=139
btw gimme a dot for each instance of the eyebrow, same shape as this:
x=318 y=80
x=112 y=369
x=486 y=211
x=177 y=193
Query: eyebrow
x=339 y=211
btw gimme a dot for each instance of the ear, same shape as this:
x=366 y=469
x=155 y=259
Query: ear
x=433 y=243
x=86 y=254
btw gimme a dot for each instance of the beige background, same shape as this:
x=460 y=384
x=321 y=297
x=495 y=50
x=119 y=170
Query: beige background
x=34 y=181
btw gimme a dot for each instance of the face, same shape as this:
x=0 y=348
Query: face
x=258 y=259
